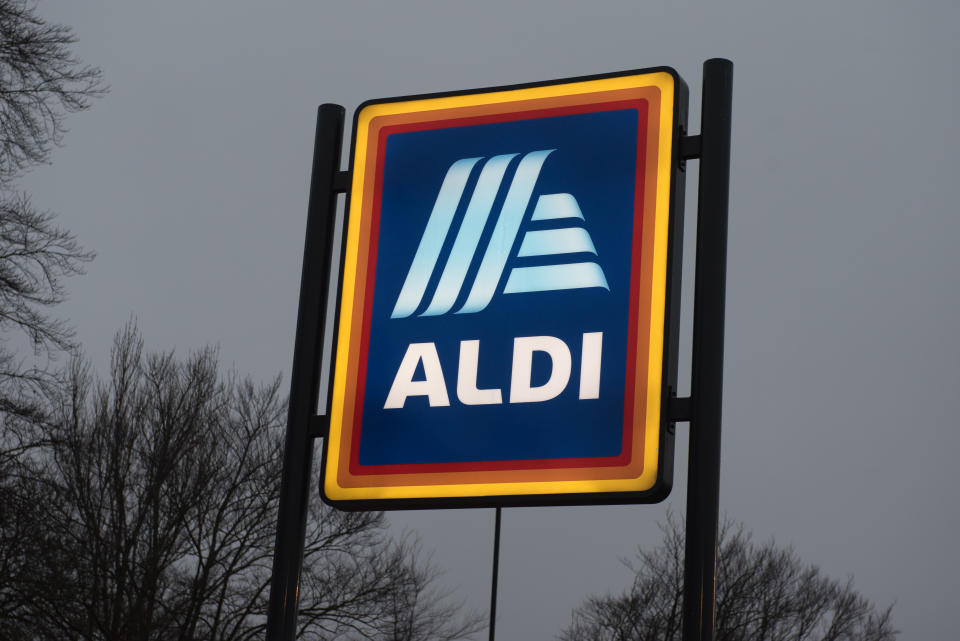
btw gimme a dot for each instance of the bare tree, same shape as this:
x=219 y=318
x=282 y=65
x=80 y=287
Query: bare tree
x=764 y=593
x=35 y=256
x=30 y=565
x=164 y=483
x=41 y=81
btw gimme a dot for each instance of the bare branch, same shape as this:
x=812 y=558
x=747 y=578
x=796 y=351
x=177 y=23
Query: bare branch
x=40 y=82
x=163 y=485
x=764 y=593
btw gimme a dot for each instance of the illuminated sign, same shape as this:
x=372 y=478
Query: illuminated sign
x=507 y=299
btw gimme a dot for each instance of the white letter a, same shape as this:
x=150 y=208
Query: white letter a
x=433 y=385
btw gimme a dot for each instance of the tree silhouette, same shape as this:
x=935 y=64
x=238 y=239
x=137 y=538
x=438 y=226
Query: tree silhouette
x=764 y=593
x=153 y=519
x=40 y=83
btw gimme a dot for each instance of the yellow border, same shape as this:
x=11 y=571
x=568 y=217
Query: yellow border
x=663 y=81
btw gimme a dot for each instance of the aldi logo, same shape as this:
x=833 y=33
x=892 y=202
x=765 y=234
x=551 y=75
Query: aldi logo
x=543 y=242
x=504 y=311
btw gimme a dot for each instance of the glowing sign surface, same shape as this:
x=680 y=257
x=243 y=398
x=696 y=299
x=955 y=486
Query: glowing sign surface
x=505 y=308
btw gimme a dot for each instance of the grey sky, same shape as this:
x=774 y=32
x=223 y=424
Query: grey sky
x=190 y=180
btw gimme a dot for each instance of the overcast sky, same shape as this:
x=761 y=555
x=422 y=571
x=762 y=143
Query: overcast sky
x=840 y=434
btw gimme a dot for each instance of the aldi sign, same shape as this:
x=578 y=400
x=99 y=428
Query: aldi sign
x=507 y=320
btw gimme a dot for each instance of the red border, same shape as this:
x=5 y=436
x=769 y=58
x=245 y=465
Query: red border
x=642 y=107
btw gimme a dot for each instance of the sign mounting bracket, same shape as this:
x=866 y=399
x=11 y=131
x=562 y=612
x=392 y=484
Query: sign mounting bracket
x=319 y=426
x=341 y=182
x=689 y=147
x=679 y=408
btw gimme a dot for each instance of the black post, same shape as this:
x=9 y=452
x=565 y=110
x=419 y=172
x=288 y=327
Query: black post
x=298 y=448
x=706 y=389
x=493 y=579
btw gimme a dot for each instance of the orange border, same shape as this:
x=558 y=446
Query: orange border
x=378 y=116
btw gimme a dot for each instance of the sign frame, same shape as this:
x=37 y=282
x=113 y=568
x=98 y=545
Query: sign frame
x=702 y=409
x=675 y=184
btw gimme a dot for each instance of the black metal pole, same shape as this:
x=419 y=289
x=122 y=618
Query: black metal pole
x=706 y=389
x=496 y=573
x=298 y=448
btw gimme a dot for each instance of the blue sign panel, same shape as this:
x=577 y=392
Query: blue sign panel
x=489 y=233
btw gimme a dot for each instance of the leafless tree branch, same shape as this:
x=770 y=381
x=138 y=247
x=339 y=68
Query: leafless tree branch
x=764 y=593
x=156 y=492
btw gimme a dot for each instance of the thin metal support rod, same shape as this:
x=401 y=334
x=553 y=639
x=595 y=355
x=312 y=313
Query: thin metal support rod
x=496 y=573
x=298 y=447
x=706 y=386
